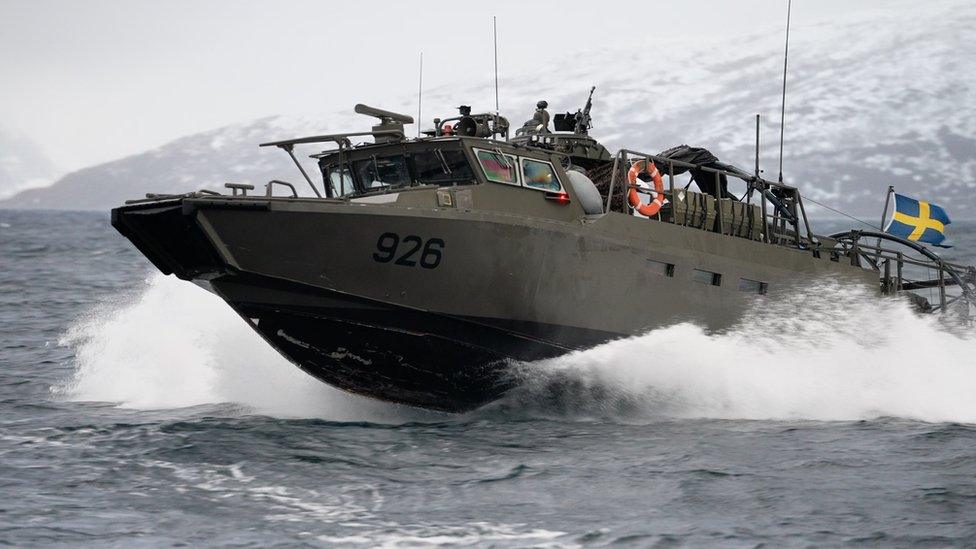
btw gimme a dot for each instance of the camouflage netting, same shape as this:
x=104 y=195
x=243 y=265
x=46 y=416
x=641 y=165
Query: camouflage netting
x=601 y=178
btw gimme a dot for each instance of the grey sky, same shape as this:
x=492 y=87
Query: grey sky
x=93 y=81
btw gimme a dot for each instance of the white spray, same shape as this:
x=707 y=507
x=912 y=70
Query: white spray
x=177 y=345
x=828 y=354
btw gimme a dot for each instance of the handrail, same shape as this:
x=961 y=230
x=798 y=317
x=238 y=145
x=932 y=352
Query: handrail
x=334 y=137
x=849 y=244
x=340 y=139
x=270 y=184
x=754 y=182
x=737 y=174
x=880 y=251
x=962 y=276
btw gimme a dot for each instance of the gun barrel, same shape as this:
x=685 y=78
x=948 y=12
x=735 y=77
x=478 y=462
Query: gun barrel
x=583 y=117
x=589 y=102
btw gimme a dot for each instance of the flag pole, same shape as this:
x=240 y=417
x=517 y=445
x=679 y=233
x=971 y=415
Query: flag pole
x=884 y=214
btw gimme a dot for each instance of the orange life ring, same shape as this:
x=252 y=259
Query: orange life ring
x=655 y=206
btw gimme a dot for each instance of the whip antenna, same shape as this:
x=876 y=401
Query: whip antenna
x=494 y=27
x=782 y=114
x=757 y=147
x=420 y=93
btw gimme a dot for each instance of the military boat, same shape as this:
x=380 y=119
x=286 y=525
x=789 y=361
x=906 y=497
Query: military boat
x=419 y=269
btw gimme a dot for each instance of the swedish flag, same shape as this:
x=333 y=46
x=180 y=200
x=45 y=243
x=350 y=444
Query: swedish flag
x=918 y=221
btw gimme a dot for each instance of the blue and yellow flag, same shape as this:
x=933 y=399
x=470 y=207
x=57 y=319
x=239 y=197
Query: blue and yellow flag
x=918 y=221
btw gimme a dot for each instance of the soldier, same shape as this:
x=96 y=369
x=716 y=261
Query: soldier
x=540 y=120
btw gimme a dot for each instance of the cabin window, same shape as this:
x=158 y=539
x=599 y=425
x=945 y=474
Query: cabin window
x=660 y=268
x=539 y=175
x=380 y=172
x=439 y=166
x=706 y=277
x=752 y=286
x=498 y=168
x=341 y=185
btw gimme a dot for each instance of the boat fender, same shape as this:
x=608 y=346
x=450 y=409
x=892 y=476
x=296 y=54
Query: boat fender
x=654 y=206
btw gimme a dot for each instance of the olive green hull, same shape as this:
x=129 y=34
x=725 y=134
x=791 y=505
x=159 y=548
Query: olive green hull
x=414 y=302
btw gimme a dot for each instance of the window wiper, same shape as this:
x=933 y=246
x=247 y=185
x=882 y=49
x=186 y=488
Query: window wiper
x=376 y=170
x=505 y=162
x=440 y=156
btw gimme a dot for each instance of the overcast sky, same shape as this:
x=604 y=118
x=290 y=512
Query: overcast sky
x=97 y=80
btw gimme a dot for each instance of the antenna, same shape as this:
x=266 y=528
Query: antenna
x=757 y=146
x=420 y=94
x=494 y=26
x=782 y=114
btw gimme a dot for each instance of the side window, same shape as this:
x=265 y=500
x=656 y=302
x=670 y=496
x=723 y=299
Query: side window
x=498 y=168
x=341 y=184
x=752 y=286
x=706 y=277
x=660 y=268
x=539 y=175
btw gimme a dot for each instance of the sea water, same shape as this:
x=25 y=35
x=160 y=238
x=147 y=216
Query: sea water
x=137 y=409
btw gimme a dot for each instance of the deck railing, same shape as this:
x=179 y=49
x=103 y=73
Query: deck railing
x=788 y=207
x=787 y=224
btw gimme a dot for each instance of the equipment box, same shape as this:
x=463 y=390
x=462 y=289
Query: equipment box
x=693 y=209
x=741 y=219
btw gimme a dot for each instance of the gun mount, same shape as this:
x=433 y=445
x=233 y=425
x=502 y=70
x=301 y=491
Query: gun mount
x=578 y=122
x=570 y=136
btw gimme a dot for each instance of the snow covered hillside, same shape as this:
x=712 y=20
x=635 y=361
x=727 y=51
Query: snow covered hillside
x=23 y=164
x=886 y=98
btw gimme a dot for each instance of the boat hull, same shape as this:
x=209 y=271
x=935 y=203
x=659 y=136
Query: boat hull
x=429 y=306
x=384 y=351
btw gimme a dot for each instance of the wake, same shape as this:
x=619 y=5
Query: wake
x=832 y=353
x=829 y=353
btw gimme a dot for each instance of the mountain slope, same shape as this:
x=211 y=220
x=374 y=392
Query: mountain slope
x=22 y=164
x=886 y=98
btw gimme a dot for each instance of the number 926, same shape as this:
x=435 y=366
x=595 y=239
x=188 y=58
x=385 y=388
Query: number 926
x=389 y=247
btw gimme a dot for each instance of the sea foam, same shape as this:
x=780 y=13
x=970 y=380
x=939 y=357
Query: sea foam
x=175 y=345
x=831 y=353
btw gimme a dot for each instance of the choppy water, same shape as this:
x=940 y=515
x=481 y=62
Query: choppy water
x=138 y=410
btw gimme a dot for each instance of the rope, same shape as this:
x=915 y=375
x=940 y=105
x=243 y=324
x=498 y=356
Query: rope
x=843 y=214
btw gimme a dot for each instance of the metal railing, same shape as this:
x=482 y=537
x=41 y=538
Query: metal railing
x=866 y=245
x=269 y=186
x=786 y=207
x=787 y=224
x=340 y=139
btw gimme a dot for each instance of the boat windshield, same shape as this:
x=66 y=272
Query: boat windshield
x=378 y=172
x=433 y=167
x=438 y=166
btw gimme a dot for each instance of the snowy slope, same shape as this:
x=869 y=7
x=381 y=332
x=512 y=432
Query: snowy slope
x=887 y=98
x=22 y=164
x=204 y=160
